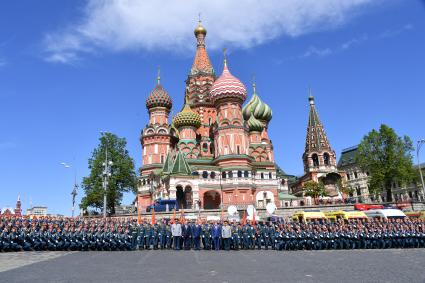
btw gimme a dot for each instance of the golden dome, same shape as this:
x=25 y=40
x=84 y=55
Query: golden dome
x=200 y=29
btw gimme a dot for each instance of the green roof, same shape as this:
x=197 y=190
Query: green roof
x=181 y=167
x=168 y=165
x=348 y=156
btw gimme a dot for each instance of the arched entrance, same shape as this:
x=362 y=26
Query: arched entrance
x=188 y=197
x=180 y=197
x=184 y=197
x=212 y=200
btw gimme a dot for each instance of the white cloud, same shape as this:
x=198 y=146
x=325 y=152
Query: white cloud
x=397 y=31
x=354 y=41
x=119 y=25
x=314 y=51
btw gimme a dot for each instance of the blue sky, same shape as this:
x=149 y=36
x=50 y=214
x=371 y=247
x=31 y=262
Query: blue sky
x=70 y=69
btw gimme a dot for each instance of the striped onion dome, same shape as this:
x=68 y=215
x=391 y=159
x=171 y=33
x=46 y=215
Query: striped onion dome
x=227 y=86
x=254 y=125
x=159 y=97
x=258 y=108
x=187 y=117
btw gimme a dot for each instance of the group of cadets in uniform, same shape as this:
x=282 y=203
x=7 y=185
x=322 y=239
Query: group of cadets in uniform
x=17 y=234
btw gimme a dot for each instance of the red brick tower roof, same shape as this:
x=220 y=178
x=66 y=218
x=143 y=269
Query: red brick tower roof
x=201 y=63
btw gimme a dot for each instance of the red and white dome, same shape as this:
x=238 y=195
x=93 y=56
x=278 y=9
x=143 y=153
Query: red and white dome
x=227 y=86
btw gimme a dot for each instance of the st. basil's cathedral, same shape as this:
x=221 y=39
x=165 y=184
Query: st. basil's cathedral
x=217 y=152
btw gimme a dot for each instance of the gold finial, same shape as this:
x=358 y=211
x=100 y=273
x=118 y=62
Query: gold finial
x=254 y=86
x=224 y=55
x=310 y=96
x=158 y=78
x=199 y=17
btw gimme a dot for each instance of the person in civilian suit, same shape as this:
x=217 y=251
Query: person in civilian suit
x=216 y=234
x=176 y=231
x=187 y=236
x=226 y=234
x=196 y=236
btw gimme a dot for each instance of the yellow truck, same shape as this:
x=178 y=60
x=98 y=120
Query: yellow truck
x=346 y=215
x=308 y=216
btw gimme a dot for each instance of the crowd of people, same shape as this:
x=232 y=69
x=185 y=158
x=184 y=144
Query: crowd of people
x=79 y=234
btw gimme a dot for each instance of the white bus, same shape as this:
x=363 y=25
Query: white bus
x=385 y=213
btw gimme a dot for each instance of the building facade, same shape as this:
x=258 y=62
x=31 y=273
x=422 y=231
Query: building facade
x=358 y=181
x=17 y=211
x=319 y=159
x=215 y=152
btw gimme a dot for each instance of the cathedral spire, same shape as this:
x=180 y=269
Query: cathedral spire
x=316 y=137
x=201 y=63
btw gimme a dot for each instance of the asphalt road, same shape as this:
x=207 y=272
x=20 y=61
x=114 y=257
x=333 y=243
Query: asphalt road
x=190 y=266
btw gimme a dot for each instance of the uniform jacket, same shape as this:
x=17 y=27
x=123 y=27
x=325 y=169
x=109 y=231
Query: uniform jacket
x=176 y=229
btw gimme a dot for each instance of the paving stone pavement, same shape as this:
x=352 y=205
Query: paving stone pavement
x=345 y=266
x=15 y=260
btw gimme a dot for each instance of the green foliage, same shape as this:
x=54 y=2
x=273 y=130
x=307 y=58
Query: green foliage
x=123 y=177
x=387 y=157
x=314 y=189
x=343 y=188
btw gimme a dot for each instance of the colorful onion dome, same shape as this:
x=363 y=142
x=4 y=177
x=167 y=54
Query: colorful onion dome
x=247 y=109
x=254 y=125
x=258 y=108
x=159 y=97
x=227 y=86
x=187 y=117
x=200 y=29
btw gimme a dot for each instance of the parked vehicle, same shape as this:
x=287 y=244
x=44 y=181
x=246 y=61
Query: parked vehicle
x=346 y=215
x=385 y=213
x=164 y=205
x=308 y=216
x=363 y=207
x=416 y=214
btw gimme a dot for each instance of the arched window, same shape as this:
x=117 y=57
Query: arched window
x=245 y=174
x=230 y=174
x=262 y=175
x=326 y=158
x=204 y=174
x=315 y=159
x=239 y=174
x=162 y=158
x=270 y=175
x=223 y=175
x=212 y=175
x=205 y=147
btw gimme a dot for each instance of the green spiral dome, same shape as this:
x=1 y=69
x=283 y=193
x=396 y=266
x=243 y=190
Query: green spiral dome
x=256 y=107
x=254 y=125
x=187 y=117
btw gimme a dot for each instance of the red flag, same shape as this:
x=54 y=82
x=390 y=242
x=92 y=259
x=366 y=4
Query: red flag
x=153 y=221
x=139 y=217
x=254 y=223
x=173 y=218
x=244 y=218
x=182 y=220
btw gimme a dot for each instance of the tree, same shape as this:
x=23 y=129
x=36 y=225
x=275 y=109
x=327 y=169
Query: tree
x=314 y=190
x=123 y=177
x=388 y=159
x=344 y=189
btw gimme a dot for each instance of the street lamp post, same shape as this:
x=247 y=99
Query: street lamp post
x=74 y=191
x=418 y=148
x=106 y=174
